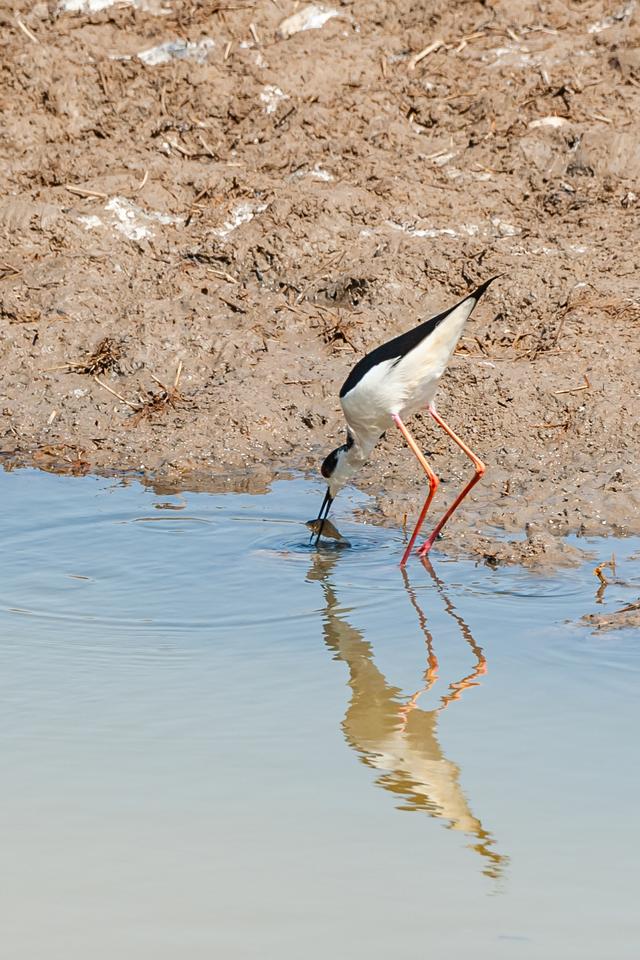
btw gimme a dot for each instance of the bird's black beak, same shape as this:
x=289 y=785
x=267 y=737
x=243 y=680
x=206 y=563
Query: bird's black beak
x=322 y=516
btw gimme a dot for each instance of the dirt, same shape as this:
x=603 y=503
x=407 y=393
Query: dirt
x=627 y=618
x=195 y=252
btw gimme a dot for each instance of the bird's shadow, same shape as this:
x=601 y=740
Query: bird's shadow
x=394 y=734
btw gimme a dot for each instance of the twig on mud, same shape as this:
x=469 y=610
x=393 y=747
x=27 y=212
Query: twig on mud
x=551 y=426
x=513 y=35
x=210 y=150
x=298 y=313
x=104 y=83
x=284 y=116
x=222 y=275
x=586 y=386
x=104 y=357
x=26 y=31
x=168 y=396
x=8 y=270
x=81 y=192
x=439 y=43
x=183 y=150
x=458 y=96
x=438 y=153
x=465 y=40
x=415 y=60
x=142 y=183
x=133 y=406
x=629 y=607
x=236 y=307
x=227 y=49
x=336 y=330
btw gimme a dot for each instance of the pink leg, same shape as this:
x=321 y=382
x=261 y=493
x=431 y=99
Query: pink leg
x=433 y=484
x=479 y=468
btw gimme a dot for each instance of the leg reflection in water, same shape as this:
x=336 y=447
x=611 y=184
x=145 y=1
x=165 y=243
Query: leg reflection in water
x=394 y=734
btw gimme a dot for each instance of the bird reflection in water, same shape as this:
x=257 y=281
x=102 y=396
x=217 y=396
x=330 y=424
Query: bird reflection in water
x=394 y=734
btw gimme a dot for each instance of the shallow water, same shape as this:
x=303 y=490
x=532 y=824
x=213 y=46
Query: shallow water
x=217 y=741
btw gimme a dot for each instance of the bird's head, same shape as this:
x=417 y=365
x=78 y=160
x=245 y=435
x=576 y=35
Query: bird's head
x=337 y=468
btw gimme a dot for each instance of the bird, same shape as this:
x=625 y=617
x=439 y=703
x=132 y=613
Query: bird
x=386 y=387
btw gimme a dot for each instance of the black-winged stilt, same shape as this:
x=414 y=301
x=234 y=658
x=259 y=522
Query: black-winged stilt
x=387 y=386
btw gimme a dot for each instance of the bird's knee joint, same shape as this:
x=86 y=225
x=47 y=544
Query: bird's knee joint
x=480 y=469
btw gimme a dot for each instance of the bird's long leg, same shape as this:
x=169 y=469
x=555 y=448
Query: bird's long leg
x=479 y=472
x=433 y=484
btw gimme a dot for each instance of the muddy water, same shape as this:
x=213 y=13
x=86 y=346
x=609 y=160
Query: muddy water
x=216 y=741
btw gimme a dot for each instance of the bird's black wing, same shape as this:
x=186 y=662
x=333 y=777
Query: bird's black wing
x=402 y=345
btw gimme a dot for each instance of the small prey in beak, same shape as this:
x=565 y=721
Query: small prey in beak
x=329 y=530
x=319 y=524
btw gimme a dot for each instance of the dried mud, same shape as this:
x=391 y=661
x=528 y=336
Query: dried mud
x=196 y=251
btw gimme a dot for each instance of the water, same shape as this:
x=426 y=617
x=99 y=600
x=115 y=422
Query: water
x=218 y=742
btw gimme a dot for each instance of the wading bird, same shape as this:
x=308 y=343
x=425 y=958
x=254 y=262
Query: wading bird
x=387 y=386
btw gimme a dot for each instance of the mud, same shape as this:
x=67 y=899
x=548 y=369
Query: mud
x=627 y=618
x=207 y=218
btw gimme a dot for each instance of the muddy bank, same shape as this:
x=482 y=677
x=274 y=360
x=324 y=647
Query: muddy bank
x=206 y=219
